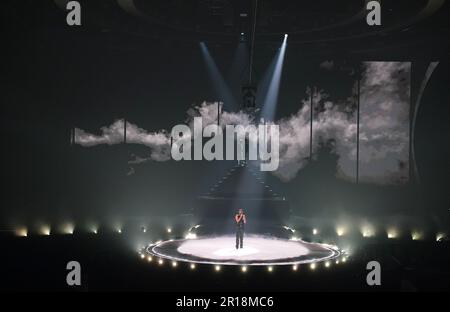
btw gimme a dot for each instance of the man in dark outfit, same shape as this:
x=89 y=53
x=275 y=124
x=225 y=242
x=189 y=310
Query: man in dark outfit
x=240 y=222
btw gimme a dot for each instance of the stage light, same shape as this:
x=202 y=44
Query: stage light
x=294 y=267
x=142 y=256
x=344 y=259
x=67 y=228
x=44 y=230
x=327 y=264
x=169 y=230
x=315 y=232
x=21 y=232
x=217 y=268
x=244 y=269
x=119 y=231
x=95 y=231
x=337 y=261
x=174 y=264
x=416 y=235
x=367 y=230
x=392 y=233
x=269 y=268
x=160 y=261
x=192 y=266
x=149 y=259
x=285 y=35
x=294 y=238
x=312 y=266
x=341 y=230
x=242 y=34
x=144 y=230
x=439 y=236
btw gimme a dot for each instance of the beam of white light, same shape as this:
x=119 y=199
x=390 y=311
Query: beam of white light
x=439 y=236
x=220 y=86
x=392 y=233
x=271 y=97
x=67 y=228
x=367 y=230
x=21 y=231
x=341 y=230
x=44 y=230
x=416 y=235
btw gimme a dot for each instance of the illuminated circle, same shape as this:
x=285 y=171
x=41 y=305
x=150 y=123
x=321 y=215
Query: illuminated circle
x=258 y=250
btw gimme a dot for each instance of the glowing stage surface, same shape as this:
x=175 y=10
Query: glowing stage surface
x=258 y=250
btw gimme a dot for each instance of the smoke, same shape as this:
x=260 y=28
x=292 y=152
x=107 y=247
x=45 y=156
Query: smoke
x=158 y=142
x=384 y=130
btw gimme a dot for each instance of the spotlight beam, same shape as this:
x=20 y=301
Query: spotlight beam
x=220 y=86
x=271 y=96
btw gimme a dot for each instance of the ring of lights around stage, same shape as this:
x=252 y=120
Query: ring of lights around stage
x=258 y=250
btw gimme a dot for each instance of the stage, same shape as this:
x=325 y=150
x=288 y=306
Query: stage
x=258 y=250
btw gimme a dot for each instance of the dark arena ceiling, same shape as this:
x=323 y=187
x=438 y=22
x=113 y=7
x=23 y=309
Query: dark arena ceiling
x=318 y=27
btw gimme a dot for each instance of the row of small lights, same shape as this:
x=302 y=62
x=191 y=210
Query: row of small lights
x=45 y=230
x=367 y=232
x=244 y=268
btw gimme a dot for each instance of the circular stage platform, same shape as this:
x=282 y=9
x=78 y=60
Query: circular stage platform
x=258 y=250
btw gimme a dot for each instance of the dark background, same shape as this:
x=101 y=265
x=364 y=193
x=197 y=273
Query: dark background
x=55 y=77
